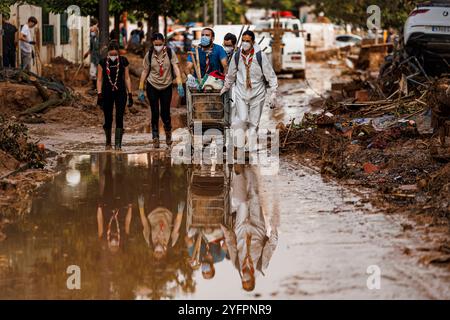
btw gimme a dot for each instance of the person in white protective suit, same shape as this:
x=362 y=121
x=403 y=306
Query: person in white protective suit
x=255 y=85
x=252 y=239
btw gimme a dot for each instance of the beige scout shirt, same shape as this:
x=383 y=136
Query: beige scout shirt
x=154 y=77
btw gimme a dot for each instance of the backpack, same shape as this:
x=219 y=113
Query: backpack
x=135 y=37
x=169 y=54
x=258 y=58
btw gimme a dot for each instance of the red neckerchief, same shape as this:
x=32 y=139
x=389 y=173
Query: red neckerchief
x=108 y=73
x=248 y=59
x=161 y=61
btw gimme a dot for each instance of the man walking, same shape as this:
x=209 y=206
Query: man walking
x=254 y=82
x=27 y=43
x=94 y=51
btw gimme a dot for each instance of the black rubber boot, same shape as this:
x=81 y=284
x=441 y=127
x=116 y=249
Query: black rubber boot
x=108 y=139
x=156 y=143
x=169 y=138
x=118 y=139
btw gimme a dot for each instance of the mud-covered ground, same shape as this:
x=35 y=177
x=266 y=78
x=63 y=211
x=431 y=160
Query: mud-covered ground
x=331 y=231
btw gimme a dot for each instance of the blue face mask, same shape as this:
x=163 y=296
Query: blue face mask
x=205 y=41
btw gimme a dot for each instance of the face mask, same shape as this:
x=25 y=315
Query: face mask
x=246 y=46
x=113 y=58
x=205 y=41
x=206 y=267
x=228 y=49
x=93 y=34
x=159 y=48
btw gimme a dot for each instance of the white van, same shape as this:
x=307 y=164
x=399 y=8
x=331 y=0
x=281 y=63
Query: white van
x=293 y=50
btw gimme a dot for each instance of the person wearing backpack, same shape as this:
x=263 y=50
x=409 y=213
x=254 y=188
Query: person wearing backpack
x=160 y=69
x=255 y=82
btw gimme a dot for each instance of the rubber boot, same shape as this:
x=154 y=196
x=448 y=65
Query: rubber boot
x=108 y=139
x=168 y=138
x=118 y=139
x=156 y=142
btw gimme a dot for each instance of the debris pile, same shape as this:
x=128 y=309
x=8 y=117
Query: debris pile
x=384 y=139
x=15 y=145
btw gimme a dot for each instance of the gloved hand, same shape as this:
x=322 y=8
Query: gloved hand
x=180 y=90
x=130 y=100
x=141 y=96
x=181 y=206
x=272 y=99
x=100 y=100
x=141 y=201
x=32 y=42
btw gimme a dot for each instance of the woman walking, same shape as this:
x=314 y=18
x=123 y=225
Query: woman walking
x=160 y=69
x=114 y=88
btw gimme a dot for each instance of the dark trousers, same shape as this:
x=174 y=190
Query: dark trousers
x=160 y=104
x=119 y=99
x=9 y=59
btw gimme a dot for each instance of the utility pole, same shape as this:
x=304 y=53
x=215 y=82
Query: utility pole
x=215 y=4
x=205 y=14
x=1 y=40
x=103 y=10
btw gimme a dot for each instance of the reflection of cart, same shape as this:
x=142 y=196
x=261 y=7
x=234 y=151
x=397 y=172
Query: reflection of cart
x=208 y=108
x=208 y=195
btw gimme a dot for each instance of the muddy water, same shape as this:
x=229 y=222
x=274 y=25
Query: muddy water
x=320 y=239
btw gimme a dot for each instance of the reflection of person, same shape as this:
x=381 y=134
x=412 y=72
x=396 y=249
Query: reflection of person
x=160 y=227
x=251 y=241
x=113 y=212
x=205 y=248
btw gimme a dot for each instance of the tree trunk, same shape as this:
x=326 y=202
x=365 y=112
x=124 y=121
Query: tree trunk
x=165 y=26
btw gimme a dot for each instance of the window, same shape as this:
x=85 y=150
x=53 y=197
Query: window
x=296 y=28
x=48 y=33
x=64 y=28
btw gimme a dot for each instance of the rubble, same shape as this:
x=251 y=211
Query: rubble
x=372 y=137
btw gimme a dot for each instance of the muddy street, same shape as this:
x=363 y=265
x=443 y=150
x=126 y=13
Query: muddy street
x=322 y=240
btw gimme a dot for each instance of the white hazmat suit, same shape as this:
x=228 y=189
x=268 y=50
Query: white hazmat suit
x=249 y=102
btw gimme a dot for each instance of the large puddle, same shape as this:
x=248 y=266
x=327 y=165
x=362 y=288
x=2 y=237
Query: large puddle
x=137 y=226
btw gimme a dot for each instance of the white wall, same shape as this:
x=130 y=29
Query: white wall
x=78 y=41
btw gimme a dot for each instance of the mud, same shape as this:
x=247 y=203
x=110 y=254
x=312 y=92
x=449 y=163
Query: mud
x=329 y=235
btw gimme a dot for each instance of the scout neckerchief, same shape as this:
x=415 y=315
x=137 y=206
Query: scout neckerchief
x=161 y=60
x=114 y=217
x=108 y=73
x=207 y=63
x=248 y=59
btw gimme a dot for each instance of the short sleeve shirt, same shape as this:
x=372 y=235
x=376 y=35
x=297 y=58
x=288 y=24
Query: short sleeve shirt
x=158 y=81
x=216 y=55
x=25 y=46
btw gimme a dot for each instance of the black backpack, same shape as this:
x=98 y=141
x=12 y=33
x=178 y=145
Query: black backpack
x=258 y=54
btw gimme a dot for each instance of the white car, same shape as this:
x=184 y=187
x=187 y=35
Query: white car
x=293 y=59
x=345 y=40
x=427 y=32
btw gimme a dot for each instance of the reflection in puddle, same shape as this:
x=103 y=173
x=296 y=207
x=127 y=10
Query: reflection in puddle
x=139 y=227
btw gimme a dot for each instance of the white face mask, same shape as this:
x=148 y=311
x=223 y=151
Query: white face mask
x=158 y=48
x=228 y=49
x=246 y=46
x=113 y=58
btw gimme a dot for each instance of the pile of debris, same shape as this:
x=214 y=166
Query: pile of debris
x=16 y=151
x=386 y=140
